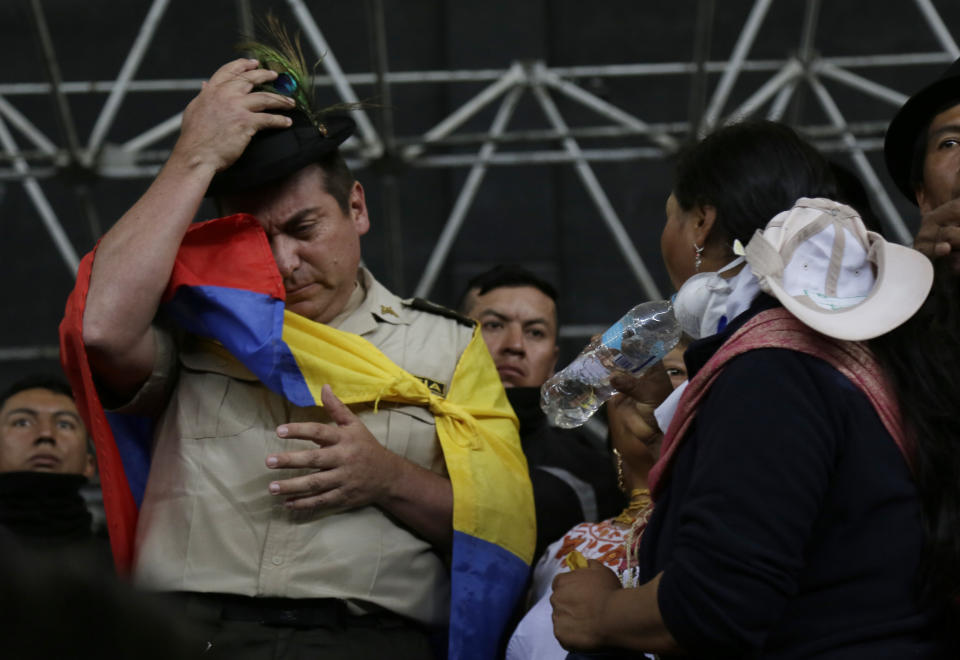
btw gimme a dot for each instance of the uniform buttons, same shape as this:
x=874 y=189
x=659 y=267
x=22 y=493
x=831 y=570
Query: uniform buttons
x=277 y=560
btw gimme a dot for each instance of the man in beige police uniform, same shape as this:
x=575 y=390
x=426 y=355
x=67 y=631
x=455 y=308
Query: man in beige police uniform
x=283 y=529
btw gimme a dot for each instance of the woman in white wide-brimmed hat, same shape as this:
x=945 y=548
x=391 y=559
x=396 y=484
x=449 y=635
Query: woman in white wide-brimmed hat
x=802 y=492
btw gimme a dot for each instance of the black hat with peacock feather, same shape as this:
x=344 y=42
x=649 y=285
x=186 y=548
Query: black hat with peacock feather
x=274 y=154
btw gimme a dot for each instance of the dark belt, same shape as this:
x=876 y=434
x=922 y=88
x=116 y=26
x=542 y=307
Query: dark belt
x=293 y=612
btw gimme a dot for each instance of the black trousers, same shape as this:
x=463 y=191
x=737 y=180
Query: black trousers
x=232 y=627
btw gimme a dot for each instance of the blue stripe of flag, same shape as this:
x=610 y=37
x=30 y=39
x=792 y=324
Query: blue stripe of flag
x=133 y=436
x=486 y=583
x=250 y=326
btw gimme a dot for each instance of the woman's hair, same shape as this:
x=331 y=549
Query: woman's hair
x=750 y=172
x=754 y=170
x=922 y=358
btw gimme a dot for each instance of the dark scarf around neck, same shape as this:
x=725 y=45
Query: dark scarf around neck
x=42 y=505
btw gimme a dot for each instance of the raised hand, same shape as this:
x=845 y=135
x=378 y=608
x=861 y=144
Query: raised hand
x=219 y=122
x=939 y=233
x=639 y=397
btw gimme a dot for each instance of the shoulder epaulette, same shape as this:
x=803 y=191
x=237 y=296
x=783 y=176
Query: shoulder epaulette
x=422 y=305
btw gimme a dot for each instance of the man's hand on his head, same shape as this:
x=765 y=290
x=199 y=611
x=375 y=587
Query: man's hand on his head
x=219 y=122
x=939 y=233
x=351 y=468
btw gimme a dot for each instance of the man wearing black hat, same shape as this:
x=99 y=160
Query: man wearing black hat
x=922 y=150
x=333 y=533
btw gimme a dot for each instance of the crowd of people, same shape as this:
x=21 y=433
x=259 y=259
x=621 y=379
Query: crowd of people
x=297 y=462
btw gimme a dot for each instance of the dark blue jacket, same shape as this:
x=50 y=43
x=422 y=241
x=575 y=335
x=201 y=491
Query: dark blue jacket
x=789 y=525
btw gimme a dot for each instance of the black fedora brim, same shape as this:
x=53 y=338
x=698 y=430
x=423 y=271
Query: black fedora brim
x=277 y=153
x=911 y=120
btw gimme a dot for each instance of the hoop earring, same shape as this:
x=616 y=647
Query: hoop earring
x=697 y=259
x=621 y=482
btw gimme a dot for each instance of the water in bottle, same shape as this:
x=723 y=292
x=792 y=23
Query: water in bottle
x=638 y=340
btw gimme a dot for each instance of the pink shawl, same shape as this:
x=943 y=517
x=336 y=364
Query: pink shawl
x=778 y=328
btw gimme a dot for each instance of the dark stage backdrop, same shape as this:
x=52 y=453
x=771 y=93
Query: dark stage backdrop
x=537 y=214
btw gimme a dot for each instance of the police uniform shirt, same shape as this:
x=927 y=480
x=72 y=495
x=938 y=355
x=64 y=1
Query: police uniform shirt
x=208 y=522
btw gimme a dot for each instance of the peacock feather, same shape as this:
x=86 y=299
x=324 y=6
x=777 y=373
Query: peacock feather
x=283 y=54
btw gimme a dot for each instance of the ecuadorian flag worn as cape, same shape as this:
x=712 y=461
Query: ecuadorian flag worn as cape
x=225 y=286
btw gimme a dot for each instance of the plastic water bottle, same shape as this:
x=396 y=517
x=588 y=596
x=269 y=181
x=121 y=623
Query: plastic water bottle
x=638 y=340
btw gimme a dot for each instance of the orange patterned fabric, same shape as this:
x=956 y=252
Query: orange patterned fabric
x=605 y=541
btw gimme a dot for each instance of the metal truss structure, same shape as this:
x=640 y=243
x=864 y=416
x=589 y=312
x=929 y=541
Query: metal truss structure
x=29 y=157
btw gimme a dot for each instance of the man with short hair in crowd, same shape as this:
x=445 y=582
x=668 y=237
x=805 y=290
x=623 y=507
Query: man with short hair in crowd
x=45 y=460
x=41 y=430
x=573 y=481
x=922 y=152
x=61 y=598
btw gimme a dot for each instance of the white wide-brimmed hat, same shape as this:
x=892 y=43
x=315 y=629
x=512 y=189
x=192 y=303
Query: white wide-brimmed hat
x=821 y=263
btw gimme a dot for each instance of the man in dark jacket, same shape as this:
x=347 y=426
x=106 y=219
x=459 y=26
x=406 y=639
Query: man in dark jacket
x=573 y=481
x=45 y=460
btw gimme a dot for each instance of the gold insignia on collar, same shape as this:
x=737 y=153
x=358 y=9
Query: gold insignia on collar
x=386 y=309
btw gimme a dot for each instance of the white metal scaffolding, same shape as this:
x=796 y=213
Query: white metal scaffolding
x=29 y=158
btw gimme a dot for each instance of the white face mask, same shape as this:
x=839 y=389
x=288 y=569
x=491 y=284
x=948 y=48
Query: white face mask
x=701 y=303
